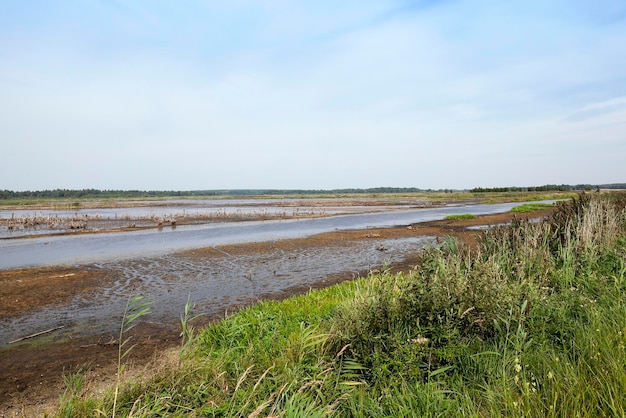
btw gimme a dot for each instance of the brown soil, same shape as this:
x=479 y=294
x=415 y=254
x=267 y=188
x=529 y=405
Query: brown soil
x=31 y=376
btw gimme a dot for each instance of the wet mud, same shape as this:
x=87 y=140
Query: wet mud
x=81 y=307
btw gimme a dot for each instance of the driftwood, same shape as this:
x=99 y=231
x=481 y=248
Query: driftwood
x=36 y=334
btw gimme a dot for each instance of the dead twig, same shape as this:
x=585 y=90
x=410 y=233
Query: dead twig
x=36 y=334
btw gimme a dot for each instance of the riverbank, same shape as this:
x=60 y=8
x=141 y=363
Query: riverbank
x=32 y=373
x=531 y=323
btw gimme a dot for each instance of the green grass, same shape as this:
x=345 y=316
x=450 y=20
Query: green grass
x=532 y=323
x=20 y=202
x=461 y=216
x=525 y=196
x=531 y=207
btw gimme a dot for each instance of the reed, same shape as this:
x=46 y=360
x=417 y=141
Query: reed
x=136 y=307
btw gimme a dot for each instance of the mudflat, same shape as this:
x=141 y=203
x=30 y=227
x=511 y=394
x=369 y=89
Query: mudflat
x=31 y=370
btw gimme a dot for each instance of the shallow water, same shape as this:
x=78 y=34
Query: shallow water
x=90 y=248
x=28 y=222
x=216 y=284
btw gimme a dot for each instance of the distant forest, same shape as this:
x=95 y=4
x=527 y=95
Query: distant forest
x=95 y=193
x=550 y=188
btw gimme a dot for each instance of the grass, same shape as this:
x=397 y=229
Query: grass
x=20 y=202
x=526 y=196
x=530 y=323
x=461 y=216
x=531 y=207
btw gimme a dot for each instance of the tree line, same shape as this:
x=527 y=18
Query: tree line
x=96 y=193
x=86 y=193
x=130 y=194
x=550 y=188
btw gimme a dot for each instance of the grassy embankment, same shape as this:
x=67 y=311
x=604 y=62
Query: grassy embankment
x=530 y=323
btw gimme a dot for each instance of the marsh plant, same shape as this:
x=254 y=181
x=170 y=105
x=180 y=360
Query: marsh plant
x=531 y=322
x=136 y=307
x=187 y=330
x=74 y=383
x=73 y=403
x=510 y=326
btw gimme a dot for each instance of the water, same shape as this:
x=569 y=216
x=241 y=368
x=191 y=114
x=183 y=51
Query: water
x=90 y=248
x=15 y=223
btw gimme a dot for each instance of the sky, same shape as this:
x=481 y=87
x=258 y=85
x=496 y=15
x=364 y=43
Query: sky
x=279 y=94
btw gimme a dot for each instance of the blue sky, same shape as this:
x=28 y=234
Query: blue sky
x=182 y=95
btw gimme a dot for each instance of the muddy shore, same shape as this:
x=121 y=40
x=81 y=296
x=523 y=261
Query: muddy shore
x=31 y=370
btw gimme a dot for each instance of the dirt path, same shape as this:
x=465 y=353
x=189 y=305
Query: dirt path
x=31 y=373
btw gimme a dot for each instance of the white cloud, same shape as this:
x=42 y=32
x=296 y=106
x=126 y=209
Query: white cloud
x=319 y=95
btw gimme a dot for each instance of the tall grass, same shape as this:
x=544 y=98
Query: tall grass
x=522 y=325
x=532 y=322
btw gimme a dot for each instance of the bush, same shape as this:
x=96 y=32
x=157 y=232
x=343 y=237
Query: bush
x=458 y=300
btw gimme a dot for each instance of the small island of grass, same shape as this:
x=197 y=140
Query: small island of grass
x=531 y=207
x=461 y=216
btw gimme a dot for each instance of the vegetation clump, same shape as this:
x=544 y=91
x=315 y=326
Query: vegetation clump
x=461 y=216
x=532 y=322
x=531 y=207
